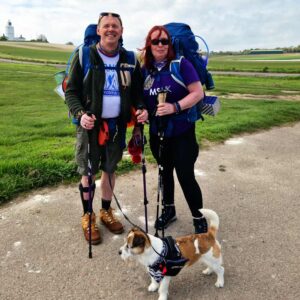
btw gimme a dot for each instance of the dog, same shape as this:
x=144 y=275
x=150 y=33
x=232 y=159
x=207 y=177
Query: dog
x=151 y=252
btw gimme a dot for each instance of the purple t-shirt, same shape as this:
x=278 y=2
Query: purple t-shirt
x=163 y=80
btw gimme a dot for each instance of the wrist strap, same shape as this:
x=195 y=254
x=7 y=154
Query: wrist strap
x=177 y=107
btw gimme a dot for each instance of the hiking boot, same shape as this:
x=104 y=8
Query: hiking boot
x=95 y=236
x=200 y=225
x=108 y=218
x=166 y=218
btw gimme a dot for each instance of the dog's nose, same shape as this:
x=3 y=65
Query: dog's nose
x=120 y=252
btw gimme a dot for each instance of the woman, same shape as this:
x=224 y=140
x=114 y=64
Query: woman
x=168 y=125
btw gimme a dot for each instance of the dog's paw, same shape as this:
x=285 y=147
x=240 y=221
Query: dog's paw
x=153 y=287
x=163 y=297
x=207 y=271
x=219 y=283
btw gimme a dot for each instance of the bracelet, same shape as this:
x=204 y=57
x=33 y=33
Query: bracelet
x=177 y=107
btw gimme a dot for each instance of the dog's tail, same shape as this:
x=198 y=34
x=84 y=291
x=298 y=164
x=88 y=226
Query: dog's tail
x=212 y=219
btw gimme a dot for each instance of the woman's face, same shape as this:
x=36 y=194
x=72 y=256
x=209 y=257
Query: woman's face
x=158 y=49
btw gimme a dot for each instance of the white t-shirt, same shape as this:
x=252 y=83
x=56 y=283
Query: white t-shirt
x=111 y=96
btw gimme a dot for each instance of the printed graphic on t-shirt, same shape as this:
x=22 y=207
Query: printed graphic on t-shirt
x=111 y=87
x=156 y=91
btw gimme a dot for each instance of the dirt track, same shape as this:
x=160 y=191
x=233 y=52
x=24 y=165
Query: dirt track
x=251 y=181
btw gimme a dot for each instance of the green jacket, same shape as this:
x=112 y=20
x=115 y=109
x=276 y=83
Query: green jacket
x=87 y=94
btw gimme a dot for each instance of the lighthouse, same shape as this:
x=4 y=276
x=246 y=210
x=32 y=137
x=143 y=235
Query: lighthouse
x=9 y=31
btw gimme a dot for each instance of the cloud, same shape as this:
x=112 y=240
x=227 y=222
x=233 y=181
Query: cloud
x=225 y=25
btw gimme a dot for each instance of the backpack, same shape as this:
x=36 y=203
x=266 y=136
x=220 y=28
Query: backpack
x=185 y=45
x=90 y=38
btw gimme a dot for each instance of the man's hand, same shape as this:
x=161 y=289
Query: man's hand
x=87 y=122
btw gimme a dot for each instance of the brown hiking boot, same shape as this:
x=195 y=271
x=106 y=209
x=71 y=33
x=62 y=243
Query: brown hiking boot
x=95 y=236
x=108 y=218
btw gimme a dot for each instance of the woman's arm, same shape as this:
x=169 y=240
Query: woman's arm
x=195 y=95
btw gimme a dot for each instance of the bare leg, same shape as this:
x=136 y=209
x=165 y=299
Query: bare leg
x=107 y=185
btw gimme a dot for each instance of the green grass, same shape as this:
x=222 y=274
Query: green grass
x=254 y=63
x=37 y=138
x=241 y=116
x=37 y=54
x=41 y=52
x=256 y=85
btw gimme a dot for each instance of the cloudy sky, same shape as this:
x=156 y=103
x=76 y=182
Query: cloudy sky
x=224 y=24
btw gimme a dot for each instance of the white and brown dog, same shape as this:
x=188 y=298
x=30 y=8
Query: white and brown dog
x=152 y=252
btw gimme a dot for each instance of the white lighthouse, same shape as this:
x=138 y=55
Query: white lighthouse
x=9 y=31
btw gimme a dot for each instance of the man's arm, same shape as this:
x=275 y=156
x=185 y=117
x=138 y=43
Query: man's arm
x=74 y=90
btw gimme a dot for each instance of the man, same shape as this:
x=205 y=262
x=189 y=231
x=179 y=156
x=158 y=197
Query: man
x=102 y=102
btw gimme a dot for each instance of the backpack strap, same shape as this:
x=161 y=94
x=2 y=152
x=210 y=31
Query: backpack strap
x=130 y=64
x=193 y=113
x=131 y=59
x=175 y=71
x=84 y=59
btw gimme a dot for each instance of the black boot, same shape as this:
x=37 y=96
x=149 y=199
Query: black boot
x=166 y=218
x=200 y=225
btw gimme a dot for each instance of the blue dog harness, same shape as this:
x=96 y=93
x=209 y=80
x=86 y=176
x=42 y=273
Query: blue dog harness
x=170 y=261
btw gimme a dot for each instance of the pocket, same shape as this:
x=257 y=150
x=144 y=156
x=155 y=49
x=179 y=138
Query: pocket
x=81 y=147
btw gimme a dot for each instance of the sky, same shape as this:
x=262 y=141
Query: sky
x=226 y=25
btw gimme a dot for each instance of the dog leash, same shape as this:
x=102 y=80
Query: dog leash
x=144 y=170
x=120 y=208
x=129 y=221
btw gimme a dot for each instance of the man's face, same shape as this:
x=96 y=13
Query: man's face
x=110 y=31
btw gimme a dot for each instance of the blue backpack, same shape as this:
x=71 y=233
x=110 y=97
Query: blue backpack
x=185 y=45
x=90 y=38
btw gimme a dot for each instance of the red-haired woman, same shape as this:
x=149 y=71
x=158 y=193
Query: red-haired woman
x=180 y=148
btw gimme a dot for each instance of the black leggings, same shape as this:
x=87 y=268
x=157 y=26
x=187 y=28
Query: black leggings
x=179 y=152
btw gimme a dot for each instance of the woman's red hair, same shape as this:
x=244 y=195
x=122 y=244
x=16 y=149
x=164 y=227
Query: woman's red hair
x=148 y=57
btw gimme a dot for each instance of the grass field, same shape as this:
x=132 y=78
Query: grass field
x=37 y=138
x=277 y=63
x=38 y=52
x=34 y=53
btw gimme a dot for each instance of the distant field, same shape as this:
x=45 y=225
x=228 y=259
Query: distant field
x=256 y=85
x=35 y=53
x=277 y=63
x=36 y=45
x=53 y=53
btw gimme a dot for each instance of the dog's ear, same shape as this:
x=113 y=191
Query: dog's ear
x=138 y=241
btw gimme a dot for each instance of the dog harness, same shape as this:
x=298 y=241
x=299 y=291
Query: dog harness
x=169 y=263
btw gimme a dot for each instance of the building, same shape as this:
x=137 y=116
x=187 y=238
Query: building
x=9 y=31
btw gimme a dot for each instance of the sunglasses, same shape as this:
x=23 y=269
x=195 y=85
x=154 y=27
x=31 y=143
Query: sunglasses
x=164 y=42
x=105 y=14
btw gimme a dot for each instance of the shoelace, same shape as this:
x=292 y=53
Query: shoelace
x=109 y=217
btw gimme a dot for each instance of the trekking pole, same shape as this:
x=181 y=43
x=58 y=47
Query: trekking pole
x=144 y=170
x=162 y=95
x=90 y=182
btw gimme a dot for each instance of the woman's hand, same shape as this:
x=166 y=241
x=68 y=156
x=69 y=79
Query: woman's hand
x=141 y=115
x=87 y=122
x=165 y=109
